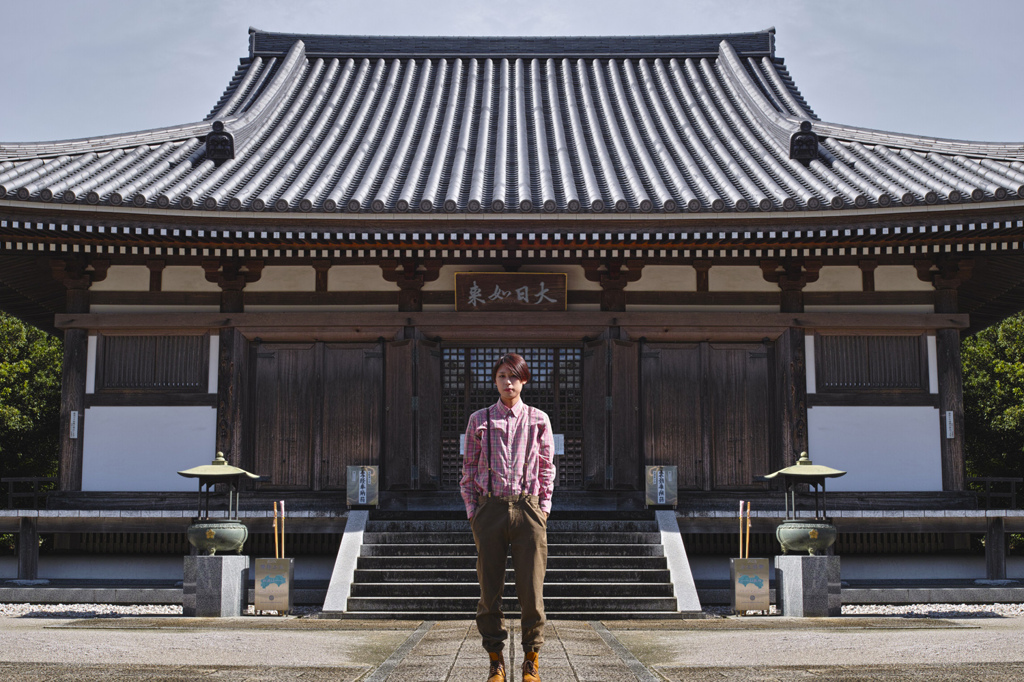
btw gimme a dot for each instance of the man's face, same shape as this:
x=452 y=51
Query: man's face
x=509 y=385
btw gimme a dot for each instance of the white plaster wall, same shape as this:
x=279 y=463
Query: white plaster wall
x=881 y=448
x=285 y=278
x=899 y=278
x=357 y=278
x=124 y=278
x=143 y=448
x=186 y=278
x=738 y=278
x=666 y=278
x=837 y=278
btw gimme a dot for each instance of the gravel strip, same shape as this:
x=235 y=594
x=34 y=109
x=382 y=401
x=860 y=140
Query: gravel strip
x=113 y=610
x=909 y=610
x=901 y=610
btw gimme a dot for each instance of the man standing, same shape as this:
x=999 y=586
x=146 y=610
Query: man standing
x=508 y=475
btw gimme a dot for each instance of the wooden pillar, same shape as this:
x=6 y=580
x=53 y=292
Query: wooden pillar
x=231 y=373
x=792 y=372
x=946 y=276
x=995 y=549
x=77 y=275
x=28 y=548
x=72 y=409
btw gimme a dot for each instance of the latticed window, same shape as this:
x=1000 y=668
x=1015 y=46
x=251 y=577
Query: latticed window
x=870 y=363
x=153 y=363
x=555 y=386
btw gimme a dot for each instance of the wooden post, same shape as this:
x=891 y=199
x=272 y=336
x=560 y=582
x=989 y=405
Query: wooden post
x=410 y=276
x=946 y=276
x=231 y=373
x=995 y=549
x=232 y=276
x=28 y=548
x=72 y=409
x=793 y=374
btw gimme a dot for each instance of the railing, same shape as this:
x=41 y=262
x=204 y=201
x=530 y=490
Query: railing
x=16 y=490
x=998 y=488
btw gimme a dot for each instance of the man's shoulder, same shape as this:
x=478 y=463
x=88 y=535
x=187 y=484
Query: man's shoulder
x=480 y=415
x=537 y=415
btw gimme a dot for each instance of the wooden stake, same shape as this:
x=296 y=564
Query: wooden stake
x=741 y=503
x=748 y=531
x=276 y=554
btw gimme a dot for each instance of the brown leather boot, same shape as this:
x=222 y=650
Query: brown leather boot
x=530 y=670
x=497 y=672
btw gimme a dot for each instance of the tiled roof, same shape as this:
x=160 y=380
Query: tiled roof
x=686 y=124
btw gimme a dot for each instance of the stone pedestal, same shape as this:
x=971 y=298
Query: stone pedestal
x=215 y=586
x=808 y=586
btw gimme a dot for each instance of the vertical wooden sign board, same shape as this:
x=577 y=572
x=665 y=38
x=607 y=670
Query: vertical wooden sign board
x=750 y=590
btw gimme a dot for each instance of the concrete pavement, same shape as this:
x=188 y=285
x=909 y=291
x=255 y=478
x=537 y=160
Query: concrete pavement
x=270 y=648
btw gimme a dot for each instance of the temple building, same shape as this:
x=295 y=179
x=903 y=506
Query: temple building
x=700 y=272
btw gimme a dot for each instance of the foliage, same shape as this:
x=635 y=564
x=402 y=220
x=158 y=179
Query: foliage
x=30 y=379
x=993 y=371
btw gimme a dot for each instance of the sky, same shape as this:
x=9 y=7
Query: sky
x=81 y=68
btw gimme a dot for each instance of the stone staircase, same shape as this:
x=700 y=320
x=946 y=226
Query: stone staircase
x=601 y=565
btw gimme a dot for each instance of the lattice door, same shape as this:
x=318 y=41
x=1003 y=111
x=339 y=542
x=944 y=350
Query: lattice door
x=555 y=386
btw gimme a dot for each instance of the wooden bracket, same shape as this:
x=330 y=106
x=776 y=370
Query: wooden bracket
x=232 y=275
x=410 y=276
x=613 y=276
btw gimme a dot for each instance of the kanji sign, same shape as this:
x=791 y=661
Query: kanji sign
x=509 y=291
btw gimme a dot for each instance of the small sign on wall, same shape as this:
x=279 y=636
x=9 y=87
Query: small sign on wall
x=662 y=486
x=949 y=426
x=362 y=486
x=74 y=425
x=510 y=291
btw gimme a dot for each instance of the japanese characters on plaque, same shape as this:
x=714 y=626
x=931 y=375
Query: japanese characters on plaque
x=509 y=291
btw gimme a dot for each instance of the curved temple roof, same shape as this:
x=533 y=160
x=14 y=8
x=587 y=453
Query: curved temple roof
x=685 y=124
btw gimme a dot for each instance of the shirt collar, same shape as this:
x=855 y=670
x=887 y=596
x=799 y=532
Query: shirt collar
x=516 y=410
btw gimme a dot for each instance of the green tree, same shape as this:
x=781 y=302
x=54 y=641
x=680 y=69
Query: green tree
x=30 y=377
x=993 y=369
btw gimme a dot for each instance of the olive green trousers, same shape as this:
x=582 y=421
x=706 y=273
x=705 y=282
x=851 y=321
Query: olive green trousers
x=500 y=523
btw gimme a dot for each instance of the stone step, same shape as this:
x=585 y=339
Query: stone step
x=445 y=590
x=417 y=549
x=415 y=538
x=468 y=562
x=553 y=605
x=556 y=515
x=510 y=614
x=468 y=575
x=554 y=526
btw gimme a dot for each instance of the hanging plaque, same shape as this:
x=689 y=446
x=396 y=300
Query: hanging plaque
x=509 y=291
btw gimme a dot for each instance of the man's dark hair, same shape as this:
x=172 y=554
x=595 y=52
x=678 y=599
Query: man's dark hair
x=515 y=363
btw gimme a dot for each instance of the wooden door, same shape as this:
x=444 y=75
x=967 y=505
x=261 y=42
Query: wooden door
x=707 y=409
x=351 y=410
x=673 y=435
x=739 y=401
x=286 y=395
x=595 y=415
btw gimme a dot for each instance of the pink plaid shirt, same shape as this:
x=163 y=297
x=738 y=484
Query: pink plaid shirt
x=522 y=452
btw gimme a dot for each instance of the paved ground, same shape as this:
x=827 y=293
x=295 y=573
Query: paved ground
x=748 y=649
